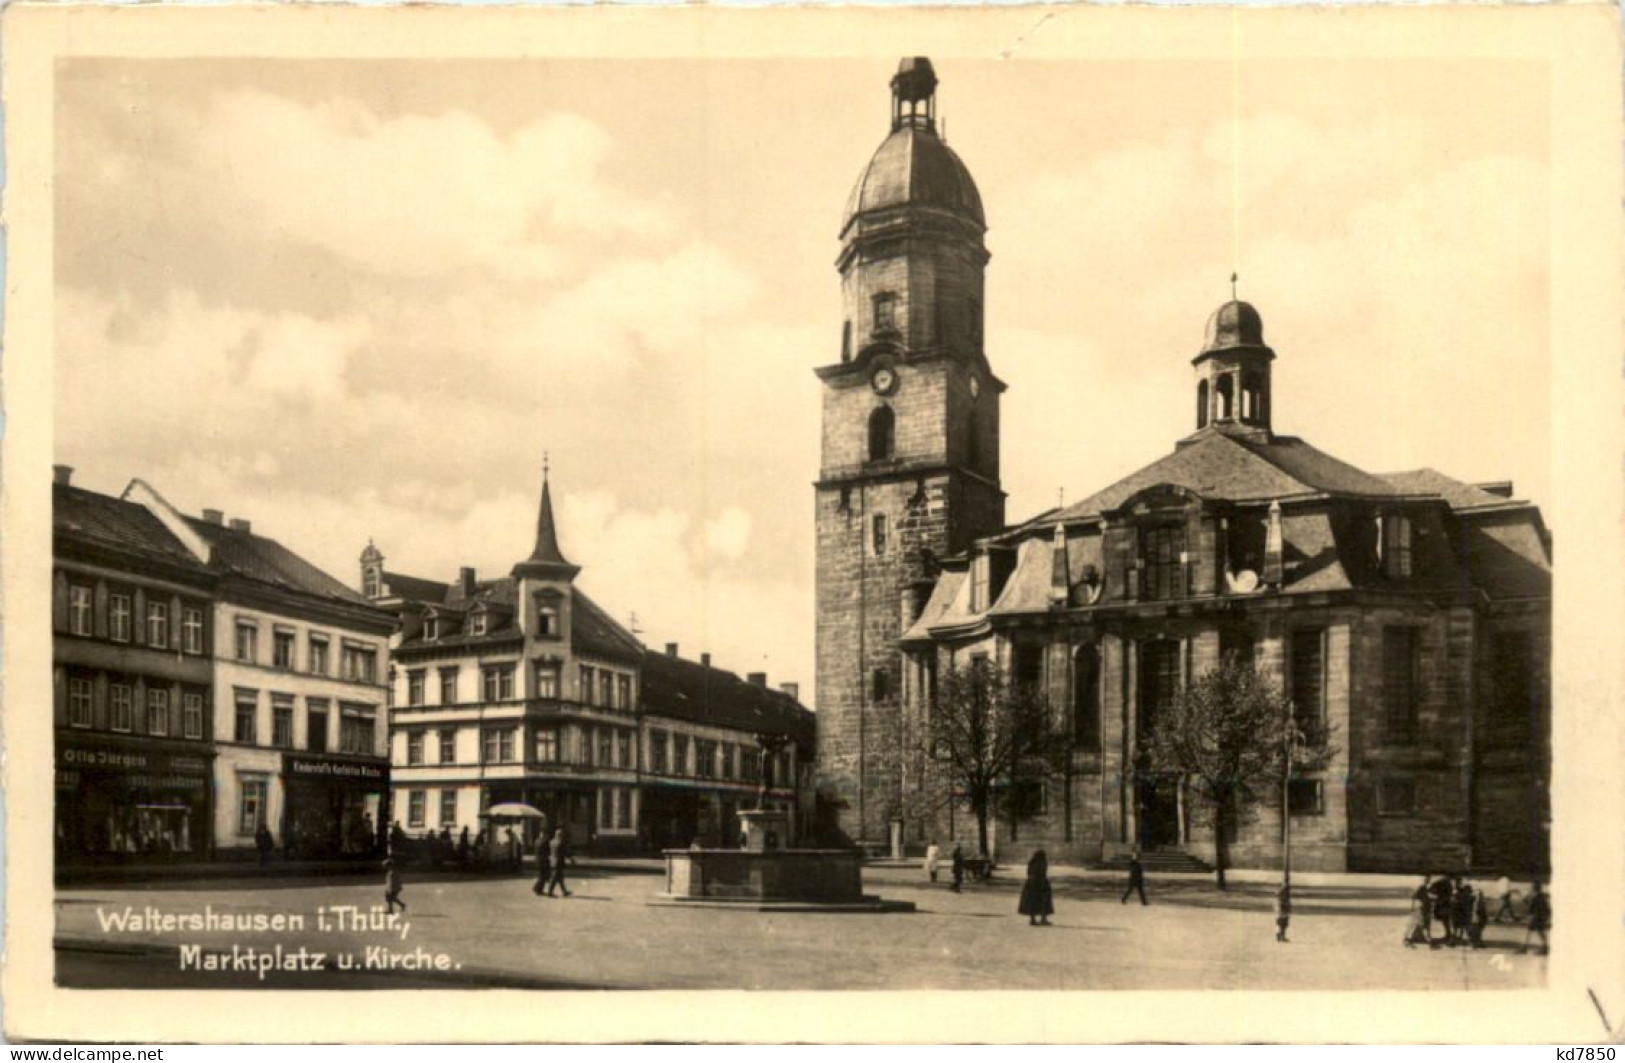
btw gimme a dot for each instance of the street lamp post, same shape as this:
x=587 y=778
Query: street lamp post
x=1290 y=738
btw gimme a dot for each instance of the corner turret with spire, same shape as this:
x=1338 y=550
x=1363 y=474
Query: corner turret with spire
x=544 y=578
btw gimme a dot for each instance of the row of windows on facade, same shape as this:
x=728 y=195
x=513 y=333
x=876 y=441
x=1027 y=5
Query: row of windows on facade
x=358 y=662
x=1161 y=566
x=883 y=321
x=596 y=686
x=156 y=627
x=1513 y=704
x=614 y=808
x=604 y=747
x=358 y=724
x=135 y=705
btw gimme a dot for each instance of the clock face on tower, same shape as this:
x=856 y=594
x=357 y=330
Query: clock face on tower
x=884 y=380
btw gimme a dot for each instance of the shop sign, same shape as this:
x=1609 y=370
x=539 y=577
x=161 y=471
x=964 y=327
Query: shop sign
x=345 y=770
x=122 y=759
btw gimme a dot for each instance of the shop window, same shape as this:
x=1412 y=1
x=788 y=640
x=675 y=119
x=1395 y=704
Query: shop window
x=316 y=726
x=448 y=746
x=158 y=624
x=448 y=808
x=1305 y=797
x=79 y=606
x=121 y=707
x=192 y=630
x=547 y=745
x=1396 y=797
x=247 y=642
x=448 y=686
x=282 y=724
x=414 y=747
x=282 y=649
x=80 y=701
x=416 y=804
x=157 y=711
x=1399 y=686
x=414 y=687
x=118 y=617
x=547 y=679
x=192 y=715
x=318 y=655
x=1308 y=677
x=251 y=803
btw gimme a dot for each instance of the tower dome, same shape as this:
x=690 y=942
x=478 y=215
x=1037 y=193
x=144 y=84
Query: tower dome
x=913 y=167
x=1235 y=324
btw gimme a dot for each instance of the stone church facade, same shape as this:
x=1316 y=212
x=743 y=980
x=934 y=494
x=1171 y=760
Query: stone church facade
x=1409 y=611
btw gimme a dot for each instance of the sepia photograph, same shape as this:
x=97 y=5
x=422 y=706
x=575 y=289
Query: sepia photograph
x=910 y=519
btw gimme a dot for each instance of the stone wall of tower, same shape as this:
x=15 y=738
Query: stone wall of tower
x=937 y=279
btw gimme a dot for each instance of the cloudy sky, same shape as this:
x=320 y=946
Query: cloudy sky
x=360 y=299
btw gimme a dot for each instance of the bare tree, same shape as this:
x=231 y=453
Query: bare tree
x=1236 y=738
x=985 y=735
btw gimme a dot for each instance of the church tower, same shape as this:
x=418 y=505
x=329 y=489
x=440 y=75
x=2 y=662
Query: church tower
x=910 y=460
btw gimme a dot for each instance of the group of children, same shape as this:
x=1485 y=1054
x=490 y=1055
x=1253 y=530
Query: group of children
x=1463 y=912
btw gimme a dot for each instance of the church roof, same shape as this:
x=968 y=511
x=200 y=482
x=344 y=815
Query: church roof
x=1461 y=496
x=1218 y=466
x=914 y=168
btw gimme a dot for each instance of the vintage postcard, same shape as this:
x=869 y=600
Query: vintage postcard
x=1039 y=524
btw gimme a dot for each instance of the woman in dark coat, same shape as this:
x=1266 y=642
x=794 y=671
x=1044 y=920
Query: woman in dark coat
x=544 y=866
x=1037 y=903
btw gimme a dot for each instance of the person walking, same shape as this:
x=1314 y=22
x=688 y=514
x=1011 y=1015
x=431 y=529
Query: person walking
x=1419 y=924
x=933 y=857
x=557 y=853
x=1037 y=899
x=1505 y=894
x=264 y=843
x=1540 y=918
x=1283 y=911
x=392 y=886
x=1136 y=879
x=1481 y=918
x=1463 y=900
x=544 y=867
x=1443 y=910
x=958 y=868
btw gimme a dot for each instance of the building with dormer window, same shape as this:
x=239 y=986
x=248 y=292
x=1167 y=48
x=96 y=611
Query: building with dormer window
x=1410 y=611
x=523 y=689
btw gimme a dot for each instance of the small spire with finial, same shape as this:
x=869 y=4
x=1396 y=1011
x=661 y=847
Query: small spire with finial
x=544 y=453
x=1233 y=279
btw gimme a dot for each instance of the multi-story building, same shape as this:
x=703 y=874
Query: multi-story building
x=298 y=694
x=522 y=689
x=131 y=617
x=1409 y=611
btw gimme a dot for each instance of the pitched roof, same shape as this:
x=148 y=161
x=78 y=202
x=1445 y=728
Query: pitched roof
x=679 y=689
x=415 y=589
x=267 y=561
x=1433 y=482
x=594 y=631
x=1215 y=465
x=105 y=521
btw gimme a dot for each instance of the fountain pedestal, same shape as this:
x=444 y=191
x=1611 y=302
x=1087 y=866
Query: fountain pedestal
x=768 y=876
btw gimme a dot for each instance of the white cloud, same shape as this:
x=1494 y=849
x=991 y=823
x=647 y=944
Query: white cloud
x=728 y=533
x=415 y=195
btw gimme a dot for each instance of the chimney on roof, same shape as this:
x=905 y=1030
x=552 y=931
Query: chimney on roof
x=671 y=649
x=465 y=580
x=62 y=474
x=705 y=660
x=213 y=516
x=239 y=524
x=1499 y=488
x=757 y=679
x=791 y=690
